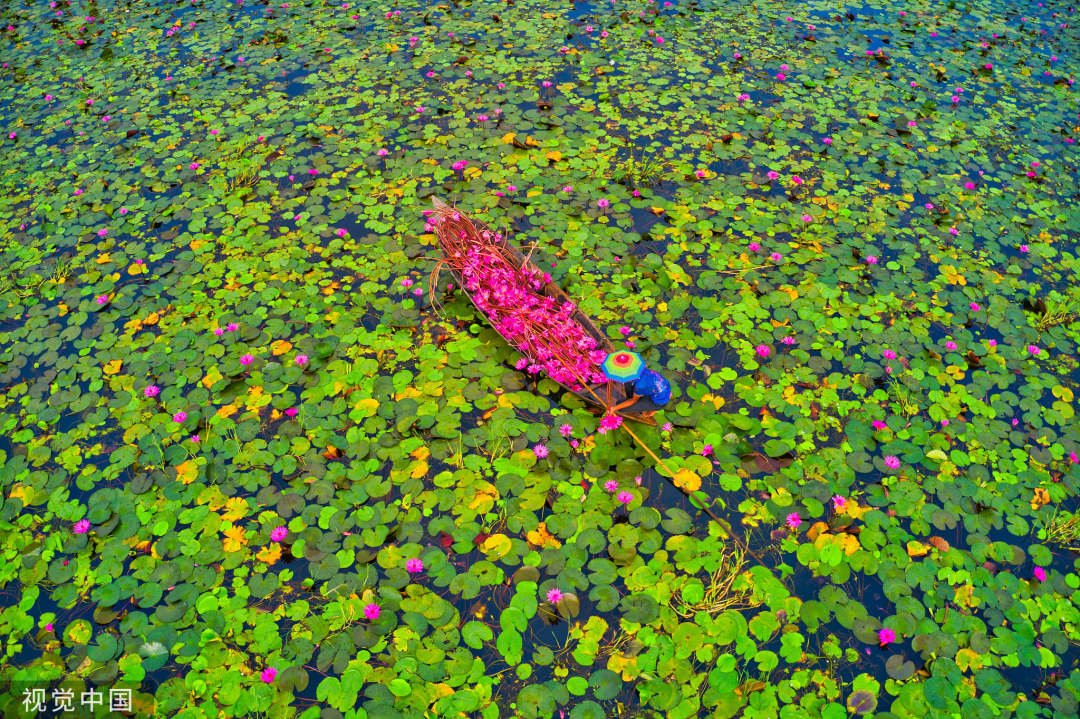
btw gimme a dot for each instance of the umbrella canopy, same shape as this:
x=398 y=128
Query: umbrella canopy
x=623 y=366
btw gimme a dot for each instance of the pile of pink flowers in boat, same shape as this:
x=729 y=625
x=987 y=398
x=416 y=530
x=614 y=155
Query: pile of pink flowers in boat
x=515 y=298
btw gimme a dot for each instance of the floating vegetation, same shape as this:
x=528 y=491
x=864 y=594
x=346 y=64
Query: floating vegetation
x=254 y=462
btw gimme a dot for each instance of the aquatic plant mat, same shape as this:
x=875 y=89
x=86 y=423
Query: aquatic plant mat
x=247 y=470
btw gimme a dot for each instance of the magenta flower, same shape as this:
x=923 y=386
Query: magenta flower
x=406 y=282
x=950 y=345
x=807 y=218
x=611 y=485
x=180 y=417
x=796 y=179
x=975 y=307
x=763 y=351
x=625 y=497
x=372 y=611
x=827 y=140
x=871 y=259
x=566 y=430
x=789 y=340
x=888 y=354
x=624 y=331
x=246 y=359
x=700 y=174
x=754 y=247
x=667 y=427
x=81 y=527
x=1039 y=573
x=152 y=390
x=101 y=299
x=781 y=76
x=1033 y=349
x=554 y=595
x=885 y=637
x=291 y=412
x=772 y=174
x=954 y=231
x=382 y=152
x=341 y=232
x=892 y=461
x=232 y=327
x=540 y=450
x=776 y=257
x=603 y=203
x=793 y=520
x=1024 y=249
x=414 y=565
x=49 y=627
x=278 y=534
x=838 y=502
x=1074 y=458
x=610 y=422
x=879 y=425
x=460 y=165
x=268 y=674
x=301 y=360
x=219 y=331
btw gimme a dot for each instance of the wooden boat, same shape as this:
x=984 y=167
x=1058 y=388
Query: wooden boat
x=610 y=397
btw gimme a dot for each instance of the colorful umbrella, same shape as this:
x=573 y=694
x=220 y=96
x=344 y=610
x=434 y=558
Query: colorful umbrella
x=623 y=366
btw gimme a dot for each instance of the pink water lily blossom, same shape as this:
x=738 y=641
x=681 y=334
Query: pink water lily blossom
x=1039 y=573
x=625 y=497
x=81 y=527
x=793 y=520
x=268 y=674
x=372 y=611
x=610 y=422
x=278 y=534
x=414 y=565
x=892 y=461
x=886 y=637
x=554 y=595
